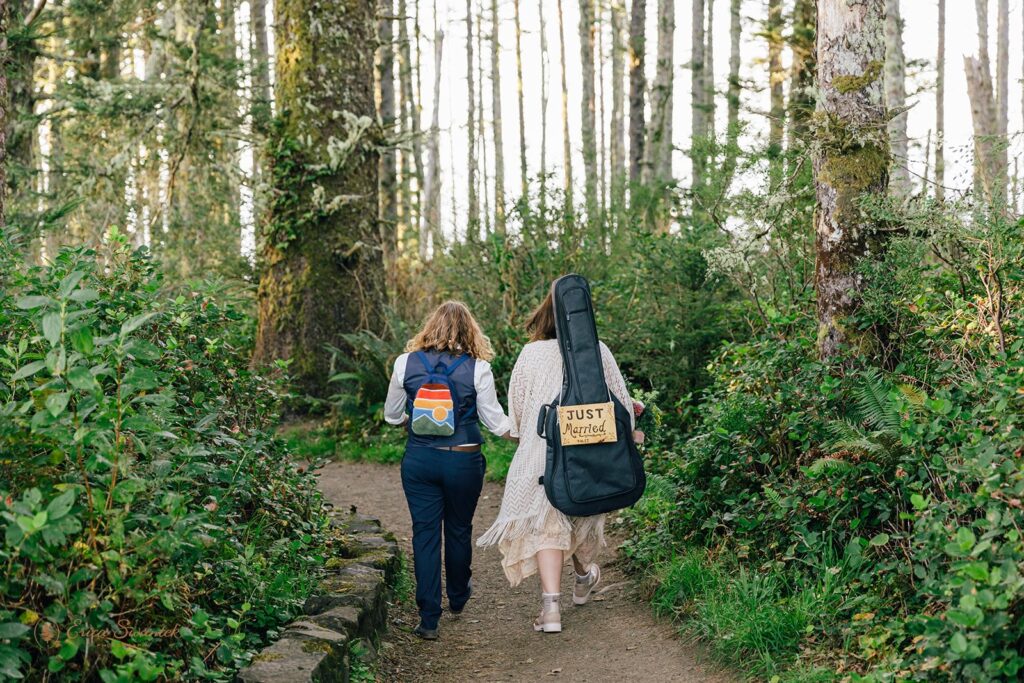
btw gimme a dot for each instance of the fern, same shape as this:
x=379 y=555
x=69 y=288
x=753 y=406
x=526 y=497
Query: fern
x=875 y=404
x=879 y=409
x=363 y=371
x=773 y=495
x=829 y=465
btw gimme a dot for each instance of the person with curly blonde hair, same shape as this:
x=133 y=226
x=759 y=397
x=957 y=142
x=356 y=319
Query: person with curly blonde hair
x=441 y=389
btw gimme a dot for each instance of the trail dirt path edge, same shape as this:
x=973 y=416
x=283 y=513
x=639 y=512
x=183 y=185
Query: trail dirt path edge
x=611 y=639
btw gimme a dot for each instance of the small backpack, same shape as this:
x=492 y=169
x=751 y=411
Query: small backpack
x=436 y=402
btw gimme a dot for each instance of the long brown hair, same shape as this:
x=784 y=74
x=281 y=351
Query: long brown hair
x=541 y=323
x=453 y=329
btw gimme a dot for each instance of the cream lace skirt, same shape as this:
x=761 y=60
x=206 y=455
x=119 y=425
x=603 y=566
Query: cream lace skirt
x=579 y=536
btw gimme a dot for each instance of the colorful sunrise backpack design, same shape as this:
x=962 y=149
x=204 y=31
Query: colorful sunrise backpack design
x=433 y=408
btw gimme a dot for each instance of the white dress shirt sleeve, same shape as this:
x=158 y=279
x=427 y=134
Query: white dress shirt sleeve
x=492 y=415
x=394 y=404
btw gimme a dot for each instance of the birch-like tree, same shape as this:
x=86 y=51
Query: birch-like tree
x=588 y=124
x=543 y=106
x=386 y=111
x=432 y=183
x=896 y=99
x=989 y=145
x=735 y=88
x=658 y=147
x=473 y=226
x=496 y=122
x=566 y=140
x=851 y=162
x=698 y=125
x=523 y=179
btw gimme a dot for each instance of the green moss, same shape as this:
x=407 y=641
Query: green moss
x=317 y=646
x=268 y=657
x=855 y=169
x=848 y=84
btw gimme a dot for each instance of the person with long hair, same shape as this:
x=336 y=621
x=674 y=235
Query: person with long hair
x=443 y=473
x=531 y=534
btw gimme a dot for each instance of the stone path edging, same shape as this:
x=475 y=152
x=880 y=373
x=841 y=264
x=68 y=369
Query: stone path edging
x=350 y=607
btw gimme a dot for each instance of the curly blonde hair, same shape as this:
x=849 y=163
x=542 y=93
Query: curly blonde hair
x=453 y=329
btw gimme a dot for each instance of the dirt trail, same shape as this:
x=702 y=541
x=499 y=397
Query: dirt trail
x=614 y=638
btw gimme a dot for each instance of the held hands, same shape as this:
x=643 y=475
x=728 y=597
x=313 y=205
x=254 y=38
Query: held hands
x=638 y=410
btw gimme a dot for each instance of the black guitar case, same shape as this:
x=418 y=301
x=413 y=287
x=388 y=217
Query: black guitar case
x=591 y=479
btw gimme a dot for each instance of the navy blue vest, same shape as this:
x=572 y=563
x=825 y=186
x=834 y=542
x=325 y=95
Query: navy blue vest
x=467 y=424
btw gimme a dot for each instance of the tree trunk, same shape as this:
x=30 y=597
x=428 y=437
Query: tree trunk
x=432 y=182
x=777 y=113
x=709 y=69
x=499 y=144
x=733 y=130
x=851 y=161
x=473 y=219
x=989 y=159
x=481 y=129
x=895 y=99
x=543 y=108
x=1003 y=68
x=658 y=148
x=566 y=142
x=940 y=107
x=322 y=272
x=801 y=83
x=412 y=151
x=587 y=106
x=21 y=101
x=698 y=127
x=264 y=94
x=389 y=156
x=988 y=174
x=524 y=182
x=637 y=87
x=617 y=146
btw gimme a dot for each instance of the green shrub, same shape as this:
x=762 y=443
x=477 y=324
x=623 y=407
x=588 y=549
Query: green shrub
x=152 y=526
x=873 y=515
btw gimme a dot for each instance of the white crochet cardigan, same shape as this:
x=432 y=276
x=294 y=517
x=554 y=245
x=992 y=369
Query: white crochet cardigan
x=537 y=380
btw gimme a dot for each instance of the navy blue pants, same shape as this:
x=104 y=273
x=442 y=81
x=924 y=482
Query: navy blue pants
x=442 y=489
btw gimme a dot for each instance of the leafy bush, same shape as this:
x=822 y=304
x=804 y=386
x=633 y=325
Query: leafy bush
x=875 y=513
x=152 y=526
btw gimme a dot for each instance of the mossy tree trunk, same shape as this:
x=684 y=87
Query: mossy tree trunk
x=322 y=273
x=851 y=163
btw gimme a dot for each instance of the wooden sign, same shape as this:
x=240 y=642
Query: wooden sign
x=587 y=424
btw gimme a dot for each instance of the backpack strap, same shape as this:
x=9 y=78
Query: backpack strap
x=448 y=370
x=423 y=359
